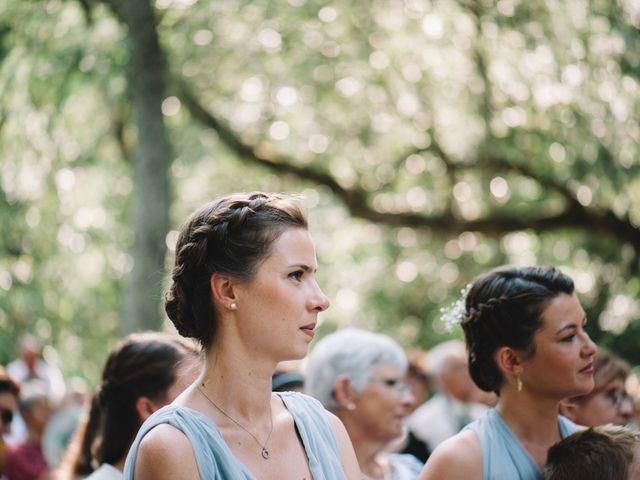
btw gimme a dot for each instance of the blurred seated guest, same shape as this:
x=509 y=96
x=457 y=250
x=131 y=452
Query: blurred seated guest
x=608 y=452
x=359 y=376
x=608 y=402
x=287 y=381
x=419 y=381
x=633 y=388
x=25 y=461
x=144 y=372
x=9 y=394
x=456 y=402
x=64 y=421
x=417 y=376
x=30 y=365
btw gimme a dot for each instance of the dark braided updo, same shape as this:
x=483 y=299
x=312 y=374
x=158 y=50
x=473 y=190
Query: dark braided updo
x=231 y=235
x=504 y=308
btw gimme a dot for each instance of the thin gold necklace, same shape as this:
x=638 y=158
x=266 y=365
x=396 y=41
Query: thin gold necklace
x=265 y=453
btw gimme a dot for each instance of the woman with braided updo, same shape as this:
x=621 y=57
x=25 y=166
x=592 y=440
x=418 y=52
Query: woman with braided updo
x=524 y=330
x=244 y=285
x=144 y=372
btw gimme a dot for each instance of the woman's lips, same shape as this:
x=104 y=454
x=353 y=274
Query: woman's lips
x=588 y=369
x=308 y=329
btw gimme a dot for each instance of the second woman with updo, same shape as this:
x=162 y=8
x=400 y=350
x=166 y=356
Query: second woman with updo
x=244 y=285
x=524 y=330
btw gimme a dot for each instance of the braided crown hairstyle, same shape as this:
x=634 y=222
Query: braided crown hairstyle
x=504 y=308
x=231 y=236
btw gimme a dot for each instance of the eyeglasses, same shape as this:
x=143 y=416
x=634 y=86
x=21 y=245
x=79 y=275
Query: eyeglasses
x=397 y=384
x=617 y=397
x=6 y=416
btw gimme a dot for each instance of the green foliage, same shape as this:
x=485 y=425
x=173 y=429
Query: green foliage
x=454 y=112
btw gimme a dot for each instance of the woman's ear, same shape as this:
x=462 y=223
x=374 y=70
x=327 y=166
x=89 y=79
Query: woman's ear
x=145 y=408
x=568 y=409
x=344 y=393
x=222 y=291
x=509 y=361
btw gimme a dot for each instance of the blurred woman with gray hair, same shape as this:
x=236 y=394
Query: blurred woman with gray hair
x=359 y=376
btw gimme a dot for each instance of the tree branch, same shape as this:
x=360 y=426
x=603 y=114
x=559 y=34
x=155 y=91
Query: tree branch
x=574 y=216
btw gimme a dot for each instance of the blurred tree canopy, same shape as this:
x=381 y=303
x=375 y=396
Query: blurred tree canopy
x=430 y=141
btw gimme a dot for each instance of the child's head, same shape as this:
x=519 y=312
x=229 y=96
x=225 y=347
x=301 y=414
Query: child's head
x=607 y=451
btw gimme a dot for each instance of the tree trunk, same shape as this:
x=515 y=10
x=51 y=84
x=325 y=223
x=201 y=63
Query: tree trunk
x=152 y=156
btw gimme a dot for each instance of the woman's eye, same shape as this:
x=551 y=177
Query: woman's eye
x=568 y=338
x=296 y=275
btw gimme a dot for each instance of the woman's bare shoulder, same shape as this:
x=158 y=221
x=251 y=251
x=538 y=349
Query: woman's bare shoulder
x=165 y=453
x=458 y=458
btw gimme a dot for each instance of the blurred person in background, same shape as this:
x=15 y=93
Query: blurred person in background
x=609 y=401
x=31 y=367
x=144 y=372
x=360 y=376
x=457 y=399
x=25 y=460
x=64 y=421
x=420 y=383
x=9 y=395
x=605 y=452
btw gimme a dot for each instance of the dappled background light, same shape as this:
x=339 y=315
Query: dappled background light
x=456 y=120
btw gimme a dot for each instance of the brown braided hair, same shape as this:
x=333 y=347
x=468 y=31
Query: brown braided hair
x=231 y=235
x=504 y=308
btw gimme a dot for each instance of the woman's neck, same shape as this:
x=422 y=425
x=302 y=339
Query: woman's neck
x=371 y=454
x=532 y=420
x=237 y=384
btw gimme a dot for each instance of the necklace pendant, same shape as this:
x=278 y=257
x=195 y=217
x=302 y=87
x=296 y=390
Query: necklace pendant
x=265 y=453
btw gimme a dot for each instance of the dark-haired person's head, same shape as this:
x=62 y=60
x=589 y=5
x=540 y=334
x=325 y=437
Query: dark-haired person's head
x=504 y=311
x=605 y=452
x=142 y=373
x=230 y=236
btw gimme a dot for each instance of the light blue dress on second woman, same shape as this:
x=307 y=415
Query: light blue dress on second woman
x=503 y=456
x=216 y=461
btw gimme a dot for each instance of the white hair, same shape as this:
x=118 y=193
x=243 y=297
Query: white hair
x=351 y=352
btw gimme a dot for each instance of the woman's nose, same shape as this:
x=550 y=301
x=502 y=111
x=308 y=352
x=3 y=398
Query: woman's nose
x=590 y=348
x=626 y=407
x=320 y=301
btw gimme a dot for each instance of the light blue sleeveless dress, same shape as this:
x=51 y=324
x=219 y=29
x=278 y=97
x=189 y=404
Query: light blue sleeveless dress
x=503 y=456
x=216 y=461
